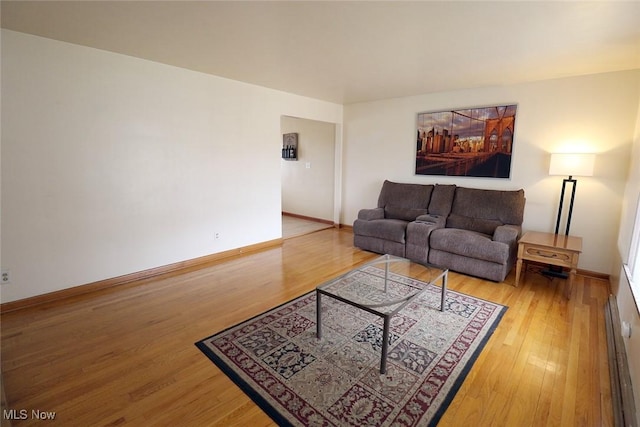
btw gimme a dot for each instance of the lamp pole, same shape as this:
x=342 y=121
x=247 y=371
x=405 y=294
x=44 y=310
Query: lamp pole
x=574 y=183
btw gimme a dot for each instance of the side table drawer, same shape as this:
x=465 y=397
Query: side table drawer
x=546 y=255
x=548 y=248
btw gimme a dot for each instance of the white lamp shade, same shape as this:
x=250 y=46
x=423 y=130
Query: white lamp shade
x=577 y=164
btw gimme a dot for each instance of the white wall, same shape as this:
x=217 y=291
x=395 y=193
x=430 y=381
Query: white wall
x=308 y=184
x=593 y=113
x=628 y=308
x=113 y=164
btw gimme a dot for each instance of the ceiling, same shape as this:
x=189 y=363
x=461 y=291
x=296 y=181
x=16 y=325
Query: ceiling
x=355 y=51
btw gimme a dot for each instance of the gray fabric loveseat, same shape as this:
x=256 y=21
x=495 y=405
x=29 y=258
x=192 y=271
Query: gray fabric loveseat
x=468 y=230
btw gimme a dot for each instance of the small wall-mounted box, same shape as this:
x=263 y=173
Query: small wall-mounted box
x=290 y=146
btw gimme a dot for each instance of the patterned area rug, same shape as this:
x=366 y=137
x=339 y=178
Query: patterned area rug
x=301 y=381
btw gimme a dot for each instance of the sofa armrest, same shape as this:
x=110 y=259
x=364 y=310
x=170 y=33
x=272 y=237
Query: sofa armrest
x=371 y=214
x=508 y=234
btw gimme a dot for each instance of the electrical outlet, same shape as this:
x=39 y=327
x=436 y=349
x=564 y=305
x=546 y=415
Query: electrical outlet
x=626 y=329
x=217 y=235
x=6 y=277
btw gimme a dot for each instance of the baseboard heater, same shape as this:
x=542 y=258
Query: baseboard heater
x=624 y=412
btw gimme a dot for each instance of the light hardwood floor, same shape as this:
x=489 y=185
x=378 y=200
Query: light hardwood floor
x=293 y=226
x=126 y=356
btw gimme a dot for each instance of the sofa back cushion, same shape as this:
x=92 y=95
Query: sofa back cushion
x=485 y=226
x=404 y=201
x=484 y=210
x=405 y=214
x=442 y=199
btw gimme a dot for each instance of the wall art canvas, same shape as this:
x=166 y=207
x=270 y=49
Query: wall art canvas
x=475 y=142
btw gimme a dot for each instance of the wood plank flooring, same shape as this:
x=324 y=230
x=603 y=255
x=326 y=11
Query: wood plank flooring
x=126 y=356
x=293 y=226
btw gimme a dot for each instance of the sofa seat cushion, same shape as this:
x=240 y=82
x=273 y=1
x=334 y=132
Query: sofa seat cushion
x=387 y=229
x=471 y=244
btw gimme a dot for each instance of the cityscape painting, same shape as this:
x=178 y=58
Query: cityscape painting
x=475 y=142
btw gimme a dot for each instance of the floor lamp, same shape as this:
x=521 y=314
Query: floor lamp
x=580 y=164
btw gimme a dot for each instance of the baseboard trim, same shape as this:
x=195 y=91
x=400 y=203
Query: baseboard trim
x=621 y=388
x=594 y=274
x=581 y=272
x=133 y=277
x=309 y=218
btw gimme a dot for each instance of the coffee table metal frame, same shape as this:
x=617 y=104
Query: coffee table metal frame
x=377 y=308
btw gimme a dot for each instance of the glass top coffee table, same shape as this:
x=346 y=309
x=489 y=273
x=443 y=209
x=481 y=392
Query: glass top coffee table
x=383 y=287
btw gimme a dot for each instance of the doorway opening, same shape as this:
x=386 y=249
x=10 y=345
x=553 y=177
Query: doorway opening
x=308 y=179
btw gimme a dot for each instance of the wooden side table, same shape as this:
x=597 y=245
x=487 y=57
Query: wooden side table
x=549 y=248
